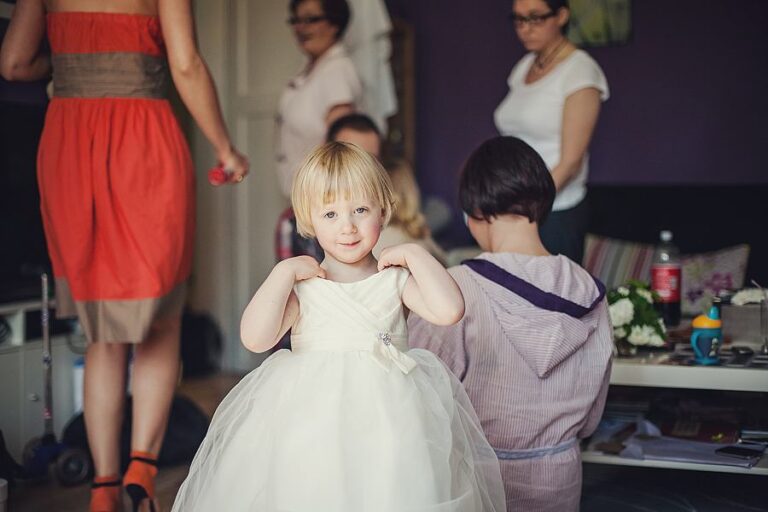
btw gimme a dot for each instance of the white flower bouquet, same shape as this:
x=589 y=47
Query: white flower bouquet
x=636 y=323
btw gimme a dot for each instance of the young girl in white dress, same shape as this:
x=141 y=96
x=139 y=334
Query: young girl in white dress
x=350 y=419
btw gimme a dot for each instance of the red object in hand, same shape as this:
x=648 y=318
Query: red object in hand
x=218 y=176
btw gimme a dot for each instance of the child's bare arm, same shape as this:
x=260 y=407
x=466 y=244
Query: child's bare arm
x=430 y=292
x=274 y=308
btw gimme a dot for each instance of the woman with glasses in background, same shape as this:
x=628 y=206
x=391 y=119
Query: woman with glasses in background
x=327 y=88
x=553 y=104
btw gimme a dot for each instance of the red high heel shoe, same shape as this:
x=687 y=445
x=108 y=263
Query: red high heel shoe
x=105 y=494
x=139 y=480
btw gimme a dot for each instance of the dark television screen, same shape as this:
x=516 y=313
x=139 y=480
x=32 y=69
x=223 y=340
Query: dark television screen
x=23 y=252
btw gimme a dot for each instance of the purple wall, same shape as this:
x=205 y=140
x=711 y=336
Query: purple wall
x=689 y=93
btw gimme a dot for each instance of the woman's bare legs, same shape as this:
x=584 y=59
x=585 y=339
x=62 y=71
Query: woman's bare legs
x=155 y=376
x=104 y=399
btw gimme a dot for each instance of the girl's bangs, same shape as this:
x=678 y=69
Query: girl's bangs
x=333 y=185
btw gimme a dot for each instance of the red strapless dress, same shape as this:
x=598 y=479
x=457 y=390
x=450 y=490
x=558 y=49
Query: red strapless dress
x=116 y=178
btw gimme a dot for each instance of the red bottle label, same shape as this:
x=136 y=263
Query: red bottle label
x=665 y=280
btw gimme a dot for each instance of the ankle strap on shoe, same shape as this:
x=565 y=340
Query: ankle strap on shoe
x=110 y=481
x=145 y=457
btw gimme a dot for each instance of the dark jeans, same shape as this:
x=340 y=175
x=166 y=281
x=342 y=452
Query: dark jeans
x=563 y=232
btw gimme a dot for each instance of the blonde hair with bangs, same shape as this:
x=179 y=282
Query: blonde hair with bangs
x=338 y=170
x=408 y=213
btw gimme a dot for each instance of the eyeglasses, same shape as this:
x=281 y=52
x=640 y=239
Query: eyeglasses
x=307 y=20
x=533 y=20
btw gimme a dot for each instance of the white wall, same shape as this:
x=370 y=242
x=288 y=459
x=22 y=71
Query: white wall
x=251 y=54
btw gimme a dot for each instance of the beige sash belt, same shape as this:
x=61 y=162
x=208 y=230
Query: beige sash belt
x=109 y=75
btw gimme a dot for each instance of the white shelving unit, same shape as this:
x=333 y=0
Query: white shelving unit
x=761 y=468
x=653 y=371
x=21 y=380
x=14 y=314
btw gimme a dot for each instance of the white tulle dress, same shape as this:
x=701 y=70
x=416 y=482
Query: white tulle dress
x=349 y=420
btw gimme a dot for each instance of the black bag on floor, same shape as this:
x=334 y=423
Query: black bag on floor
x=187 y=426
x=9 y=468
x=201 y=343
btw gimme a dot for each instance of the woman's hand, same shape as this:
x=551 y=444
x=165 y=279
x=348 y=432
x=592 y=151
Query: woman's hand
x=303 y=267
x=235 y=162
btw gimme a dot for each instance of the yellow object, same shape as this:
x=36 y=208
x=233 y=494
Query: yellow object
x=705 y=322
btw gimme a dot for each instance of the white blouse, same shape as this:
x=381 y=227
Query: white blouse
x=534 y=113
x=304 y=106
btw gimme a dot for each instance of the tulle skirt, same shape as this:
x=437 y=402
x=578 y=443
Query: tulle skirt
x=334 y=431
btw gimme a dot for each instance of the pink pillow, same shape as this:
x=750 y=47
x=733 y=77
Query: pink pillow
x=704 y=275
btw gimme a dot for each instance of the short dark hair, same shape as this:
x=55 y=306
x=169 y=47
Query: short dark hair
x=556 y=5
x=357 y=122
x=504 y=175
x=337 y=12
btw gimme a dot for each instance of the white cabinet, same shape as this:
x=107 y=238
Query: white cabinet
x=22 y=383
x=11 y=398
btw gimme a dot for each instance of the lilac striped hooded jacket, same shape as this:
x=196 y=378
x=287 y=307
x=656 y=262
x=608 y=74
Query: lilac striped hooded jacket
x=533 y=352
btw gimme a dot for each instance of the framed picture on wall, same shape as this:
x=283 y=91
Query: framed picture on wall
x=600 y=22
x=401 y=136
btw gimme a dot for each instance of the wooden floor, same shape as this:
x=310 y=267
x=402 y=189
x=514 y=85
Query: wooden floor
x=605 y=488
x=49 y=496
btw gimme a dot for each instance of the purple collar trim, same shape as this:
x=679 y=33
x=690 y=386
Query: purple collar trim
x=531 y=293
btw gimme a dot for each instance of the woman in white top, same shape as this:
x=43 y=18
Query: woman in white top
x=327 y=88
x=553 y=104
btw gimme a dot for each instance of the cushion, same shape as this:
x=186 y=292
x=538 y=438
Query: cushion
x=704 y=275
x=615 y=261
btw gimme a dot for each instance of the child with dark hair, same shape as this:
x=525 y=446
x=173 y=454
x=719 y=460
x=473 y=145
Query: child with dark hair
x=504 y=177
x=533 y=349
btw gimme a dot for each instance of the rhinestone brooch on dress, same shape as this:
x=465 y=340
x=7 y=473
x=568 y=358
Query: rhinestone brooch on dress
x=385 y=338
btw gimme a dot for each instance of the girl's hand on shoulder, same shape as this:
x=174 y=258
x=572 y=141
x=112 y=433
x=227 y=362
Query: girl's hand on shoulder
x=397 y=255
x=303 y=267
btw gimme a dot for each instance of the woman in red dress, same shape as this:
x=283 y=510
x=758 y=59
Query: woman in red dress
x=117 y=199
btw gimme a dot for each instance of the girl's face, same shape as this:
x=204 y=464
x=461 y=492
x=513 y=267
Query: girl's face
x=347 y=229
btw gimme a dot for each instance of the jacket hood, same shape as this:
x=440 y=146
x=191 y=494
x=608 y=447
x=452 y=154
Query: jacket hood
x=545 y=304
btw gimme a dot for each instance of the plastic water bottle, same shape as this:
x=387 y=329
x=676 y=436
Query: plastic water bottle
x=666 y=279
x=78 y=374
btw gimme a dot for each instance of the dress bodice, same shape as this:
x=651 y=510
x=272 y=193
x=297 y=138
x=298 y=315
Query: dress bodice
x=345 y=314
x=364 y=315
x=107 y=55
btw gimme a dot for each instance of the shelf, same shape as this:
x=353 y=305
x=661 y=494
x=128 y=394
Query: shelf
x=74 y=341
x=760 y=469
x=23 y=306
x=15 y=312
x=649 y=371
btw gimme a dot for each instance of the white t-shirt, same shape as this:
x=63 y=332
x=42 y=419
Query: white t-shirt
x=304 y=106
x=368 y=42
x=534 y=113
